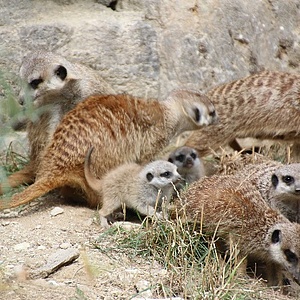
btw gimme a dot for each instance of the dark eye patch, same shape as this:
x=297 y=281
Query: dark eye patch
x=35 y=83
x=212 y=113
x=288 y=179
x=180 y=157
x=197 y=115
x=193 y=155
x=291 y=256
x=166 y=174
x=61 y=72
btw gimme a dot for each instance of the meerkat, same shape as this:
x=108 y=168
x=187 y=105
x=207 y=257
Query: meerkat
x=143 y=188
x=278 y=184
x=122 y=129
x=189 y=165
x=52 y=87
x=265 y=105
x=233 y=210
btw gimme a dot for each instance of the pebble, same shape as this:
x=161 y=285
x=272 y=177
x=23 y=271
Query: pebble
x=56 y=211
x=65 y=246
x=21 y=246
x=144 y=289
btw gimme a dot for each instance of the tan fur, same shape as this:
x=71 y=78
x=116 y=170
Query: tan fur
x=265 y=105
x=236 y=211
x=143 y=188
x=278 y=184
x=55 y=95
x=122 y=129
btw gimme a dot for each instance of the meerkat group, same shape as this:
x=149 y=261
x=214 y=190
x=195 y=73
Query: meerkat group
x=234 y=211
x=254 y=208
x=53 y=85
x=122 y=129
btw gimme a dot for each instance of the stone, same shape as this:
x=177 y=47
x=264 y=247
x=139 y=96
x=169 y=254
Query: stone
x=56 y=211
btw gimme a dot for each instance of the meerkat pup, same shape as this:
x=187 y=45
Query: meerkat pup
x=143 y=188
x=265 y=105
x=278 y=184
x=189 y=165
x=122 y=129
x=232 y=209
x=52 y=87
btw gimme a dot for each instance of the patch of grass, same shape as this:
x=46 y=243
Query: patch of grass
x=195 y=270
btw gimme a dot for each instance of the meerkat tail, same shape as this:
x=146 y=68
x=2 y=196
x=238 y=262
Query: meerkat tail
x=92 y=181
x=24 y=176
x=39 y=188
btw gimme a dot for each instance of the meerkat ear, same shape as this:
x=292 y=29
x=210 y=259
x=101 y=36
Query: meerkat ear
x=274 y=180
x=149 y=176
x=170 y=160
x=61 y=72
x=276 y=236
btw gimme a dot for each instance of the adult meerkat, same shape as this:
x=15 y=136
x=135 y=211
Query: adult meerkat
x=278 y=184
x=234 y=211
x=188 y=163
x=121 y=129
x=52 y=86
x=143 y=188
x=265 y=105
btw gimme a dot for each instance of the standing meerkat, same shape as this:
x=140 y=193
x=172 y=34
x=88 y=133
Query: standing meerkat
x=121 y=129
x=188 y=163
x=52 y=86
x=265 y=105
x=278 y=184
x=143 y=188
x=234 y=211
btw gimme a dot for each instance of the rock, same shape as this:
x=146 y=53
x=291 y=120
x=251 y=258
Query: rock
x=55 y=261
x=143 y=287
x=21 y=246
x=65 y=246
x=56 y=211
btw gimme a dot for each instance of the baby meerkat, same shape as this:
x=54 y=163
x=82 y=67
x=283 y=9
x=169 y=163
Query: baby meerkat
x=122 y=129
x=233 y=209
x=265 y=105
x=143 y=188
x=52 y=87
x=188 y=163
x=278 y=184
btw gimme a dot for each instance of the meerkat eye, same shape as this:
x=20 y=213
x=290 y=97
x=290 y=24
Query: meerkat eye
x=166 y=174
x=290 y=256
x=193 y=155
x=35 y=83
x=288 y=179
x=180 y=157
x=197 y=115
x=61 y=72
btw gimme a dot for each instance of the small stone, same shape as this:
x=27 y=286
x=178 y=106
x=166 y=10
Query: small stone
x=144 y=289
x=41 y=247
x=65 y=246
x=56 y=211
x=55 y=261
x=21 y=246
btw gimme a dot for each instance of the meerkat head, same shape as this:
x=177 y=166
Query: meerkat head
x=44 y=74
x=197 y=109
x=284 y=247
x=184 y=158
x=160 y=174
x=286 y=180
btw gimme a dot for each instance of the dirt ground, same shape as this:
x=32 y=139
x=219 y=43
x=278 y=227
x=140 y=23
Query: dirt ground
x=27 y=241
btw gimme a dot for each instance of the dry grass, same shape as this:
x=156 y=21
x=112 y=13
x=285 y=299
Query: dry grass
x=195 y=270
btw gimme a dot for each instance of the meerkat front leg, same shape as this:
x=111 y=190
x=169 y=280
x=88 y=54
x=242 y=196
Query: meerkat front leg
x=148 y=210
